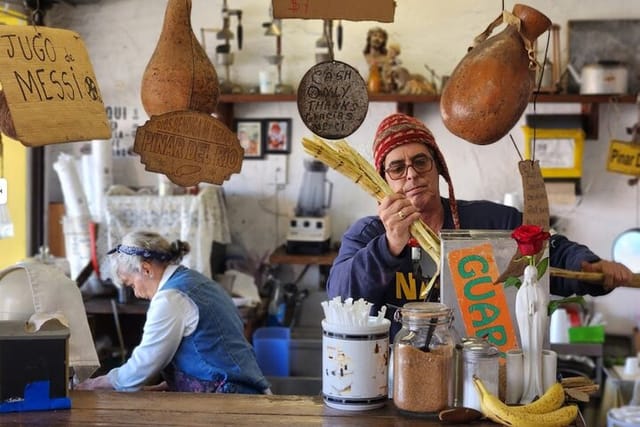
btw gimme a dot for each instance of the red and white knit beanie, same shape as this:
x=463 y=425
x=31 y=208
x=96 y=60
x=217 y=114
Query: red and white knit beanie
x=398 y=129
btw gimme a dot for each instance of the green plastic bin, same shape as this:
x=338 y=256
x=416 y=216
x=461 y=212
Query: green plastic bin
x=586 y=334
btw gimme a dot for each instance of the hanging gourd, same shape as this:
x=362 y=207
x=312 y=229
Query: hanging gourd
x=180 y=92
x=179 y=75
x=489 y=89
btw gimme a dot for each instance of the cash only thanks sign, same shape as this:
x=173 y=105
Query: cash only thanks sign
x=49 y=91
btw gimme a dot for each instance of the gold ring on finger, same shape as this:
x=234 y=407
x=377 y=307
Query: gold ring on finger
x=401 y=214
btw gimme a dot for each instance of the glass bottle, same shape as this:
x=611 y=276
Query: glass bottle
x=423 y=359
x=479 y=358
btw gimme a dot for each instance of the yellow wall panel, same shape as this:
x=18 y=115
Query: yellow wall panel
x=14 y=161
x=14 y=168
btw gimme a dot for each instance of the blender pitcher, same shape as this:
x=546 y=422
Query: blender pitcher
x=313 y=200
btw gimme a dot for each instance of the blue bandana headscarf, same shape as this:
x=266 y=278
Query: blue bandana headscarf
x=144 y=253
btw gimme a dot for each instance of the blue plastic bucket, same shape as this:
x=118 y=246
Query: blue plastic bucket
x=271 y=345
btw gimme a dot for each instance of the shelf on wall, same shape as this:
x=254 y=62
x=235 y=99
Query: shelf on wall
x=405 y=103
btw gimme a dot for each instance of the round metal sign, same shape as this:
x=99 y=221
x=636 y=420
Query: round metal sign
x=333 y=99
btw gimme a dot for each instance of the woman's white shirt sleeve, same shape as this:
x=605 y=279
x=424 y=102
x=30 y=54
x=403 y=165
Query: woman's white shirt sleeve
x=171 y=316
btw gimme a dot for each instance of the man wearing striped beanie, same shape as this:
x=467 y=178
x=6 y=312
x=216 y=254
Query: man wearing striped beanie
x=398 y=130
x=375 y=257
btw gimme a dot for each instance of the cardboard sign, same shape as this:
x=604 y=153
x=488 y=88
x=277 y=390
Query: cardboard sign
x=536 y=205
x=189 y=147
x=624 y=157
x=352 y=10
x=536 y=211
x=483 y=307
x=51 y=93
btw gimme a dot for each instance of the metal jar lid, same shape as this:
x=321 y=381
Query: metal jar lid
x=422 y=311
x=474 y=348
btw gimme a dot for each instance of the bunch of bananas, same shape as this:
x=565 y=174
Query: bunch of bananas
x=547 y=411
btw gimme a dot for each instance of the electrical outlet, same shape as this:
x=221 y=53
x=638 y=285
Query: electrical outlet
x=280 y=170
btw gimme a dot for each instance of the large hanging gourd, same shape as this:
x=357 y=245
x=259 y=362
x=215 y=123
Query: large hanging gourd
x=179 y=75
x=489 y=89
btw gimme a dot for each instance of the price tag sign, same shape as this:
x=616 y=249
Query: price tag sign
x=536 y=211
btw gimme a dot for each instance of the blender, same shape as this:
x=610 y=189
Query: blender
x=310 y=227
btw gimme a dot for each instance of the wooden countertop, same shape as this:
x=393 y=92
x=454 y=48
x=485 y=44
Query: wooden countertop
x=196 y=409
x=108 y=408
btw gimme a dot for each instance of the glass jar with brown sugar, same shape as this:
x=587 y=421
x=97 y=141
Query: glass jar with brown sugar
x=423 y=359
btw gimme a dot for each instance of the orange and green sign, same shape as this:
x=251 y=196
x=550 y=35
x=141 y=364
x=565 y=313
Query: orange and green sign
x=483 y=305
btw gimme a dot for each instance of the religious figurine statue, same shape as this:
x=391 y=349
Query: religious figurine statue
x=375 y=53
x=532 y=319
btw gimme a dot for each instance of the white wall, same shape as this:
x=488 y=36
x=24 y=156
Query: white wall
x=121 y=34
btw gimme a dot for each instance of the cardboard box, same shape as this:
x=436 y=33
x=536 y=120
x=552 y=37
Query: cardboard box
x=352 y=10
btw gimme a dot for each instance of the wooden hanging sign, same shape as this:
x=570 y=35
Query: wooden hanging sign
x=49 y=91
x=189 y=147
x=624 y=157
x=332 y=99
x=352 y=10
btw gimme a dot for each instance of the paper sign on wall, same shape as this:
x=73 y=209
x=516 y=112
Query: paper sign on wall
x=352 y=10
x=483 y=307
x=49 y=90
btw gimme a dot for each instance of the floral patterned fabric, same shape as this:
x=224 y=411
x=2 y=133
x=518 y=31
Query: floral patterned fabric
x=179 y=381
x=197 y=219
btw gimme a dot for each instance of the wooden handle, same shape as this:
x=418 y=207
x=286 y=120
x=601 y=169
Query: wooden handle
x=590 y=277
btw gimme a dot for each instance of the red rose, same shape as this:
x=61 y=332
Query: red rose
x=530 y=239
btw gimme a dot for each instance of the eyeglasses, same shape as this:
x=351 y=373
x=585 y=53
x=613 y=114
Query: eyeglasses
x=398 y=169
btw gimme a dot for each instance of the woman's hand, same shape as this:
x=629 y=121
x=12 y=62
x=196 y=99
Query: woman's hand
x=97 y=383
x=615 y=274
x=163 y=386
x=397 y=214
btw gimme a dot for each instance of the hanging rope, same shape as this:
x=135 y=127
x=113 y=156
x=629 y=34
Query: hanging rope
x=328 y=33
x=37 y=15
x=536 y=92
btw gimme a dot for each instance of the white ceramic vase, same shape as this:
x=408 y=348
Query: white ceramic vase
x=531 y=314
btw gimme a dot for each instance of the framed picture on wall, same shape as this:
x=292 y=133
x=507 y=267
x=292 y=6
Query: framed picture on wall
x=277 y=133
x=249 y=132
